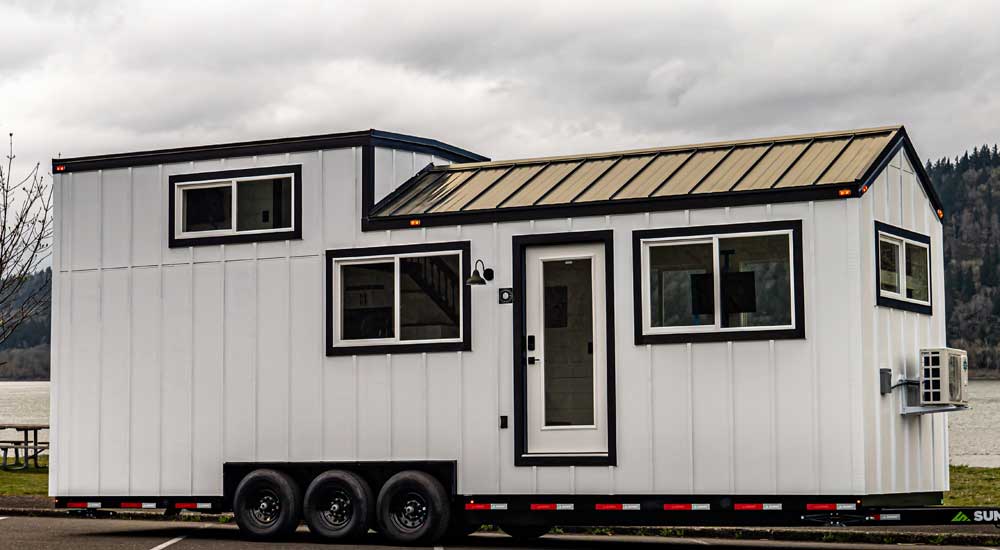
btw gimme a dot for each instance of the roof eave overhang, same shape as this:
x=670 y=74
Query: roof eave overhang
x=616 y=207
x=901 y=141
x=371 y=138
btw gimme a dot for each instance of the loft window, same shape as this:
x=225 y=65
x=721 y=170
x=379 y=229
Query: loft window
x=398 y=299
x=903 y=270
x=718 y=283
x=234 y=206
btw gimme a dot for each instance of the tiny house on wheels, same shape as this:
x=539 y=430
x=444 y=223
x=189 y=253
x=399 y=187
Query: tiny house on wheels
x=374 y=330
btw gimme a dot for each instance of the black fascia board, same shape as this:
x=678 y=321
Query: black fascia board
x=365 y=138
x=610 y=207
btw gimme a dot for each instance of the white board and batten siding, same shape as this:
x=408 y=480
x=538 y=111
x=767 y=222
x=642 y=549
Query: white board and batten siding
x=169 y=362
x=907 y=454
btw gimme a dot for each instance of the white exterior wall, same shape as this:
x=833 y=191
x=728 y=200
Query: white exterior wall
x=908 y=454
x=169 y=362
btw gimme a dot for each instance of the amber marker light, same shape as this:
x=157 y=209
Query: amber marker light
x=844 y=193
x=414 y=223
x=940 y=213
x=864 y=188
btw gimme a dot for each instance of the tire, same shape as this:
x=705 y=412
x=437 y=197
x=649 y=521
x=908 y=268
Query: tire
x=525 y=532
x=267 y=505
x=413 y=507
x=339 y=506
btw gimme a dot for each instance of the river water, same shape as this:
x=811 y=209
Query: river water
x=974 y=435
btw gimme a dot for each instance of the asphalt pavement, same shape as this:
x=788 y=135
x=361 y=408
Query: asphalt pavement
x=27 y=533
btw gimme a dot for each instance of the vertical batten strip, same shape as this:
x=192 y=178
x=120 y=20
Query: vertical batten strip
x=817 y=459
x=732 y=415
x=255 y=353
x=772 y=368
x=159 y=343
x=461 y=423
x=129 y=329
x=690 y=407
x=650 y=380
x=855 y=347
x=100 y=321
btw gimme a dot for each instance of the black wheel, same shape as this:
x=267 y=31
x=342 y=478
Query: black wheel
x=413 y=507
x=339 y=506
x=525 y=532
x=267 y=504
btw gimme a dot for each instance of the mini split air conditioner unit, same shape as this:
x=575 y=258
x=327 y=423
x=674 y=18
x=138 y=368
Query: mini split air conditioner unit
x=944 y=376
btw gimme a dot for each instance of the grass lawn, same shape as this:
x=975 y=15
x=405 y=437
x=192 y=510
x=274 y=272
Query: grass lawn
x=969 y=486
x=974 y=487
x=30 y=481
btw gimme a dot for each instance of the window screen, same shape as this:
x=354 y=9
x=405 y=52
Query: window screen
x=682 y=291
x=208 y=208
x=888 y=264
x=430 y=297
x=368 y=301
x=264 y=204
x=917 y=287
x=755 y=281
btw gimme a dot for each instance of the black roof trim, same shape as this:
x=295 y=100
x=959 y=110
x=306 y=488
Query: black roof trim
x=610 y=207
x=372 y=137
x=902 y=141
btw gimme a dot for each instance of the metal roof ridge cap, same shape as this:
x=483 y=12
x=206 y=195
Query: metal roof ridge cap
x=417 y=140
x=683 y=147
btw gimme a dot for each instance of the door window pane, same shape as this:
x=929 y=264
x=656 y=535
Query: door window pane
x=755 y=281
x=264 y=204
x=917 y=287
x=430 y=297
x=888 y=265
x=682 y=291
x=207 y=208
x=569 y=342
x=367 y=299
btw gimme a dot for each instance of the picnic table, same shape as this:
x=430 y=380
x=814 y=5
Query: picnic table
x=30 y=445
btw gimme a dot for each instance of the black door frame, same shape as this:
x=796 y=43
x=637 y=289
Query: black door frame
x=520 y=246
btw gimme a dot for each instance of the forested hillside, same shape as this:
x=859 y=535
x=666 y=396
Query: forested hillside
x=970 y=188
x=25 y=355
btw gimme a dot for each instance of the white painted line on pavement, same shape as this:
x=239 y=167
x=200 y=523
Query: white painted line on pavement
x=168 y=543
x=699 y=541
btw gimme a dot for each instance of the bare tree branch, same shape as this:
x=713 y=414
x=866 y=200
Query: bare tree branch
x=25 y=244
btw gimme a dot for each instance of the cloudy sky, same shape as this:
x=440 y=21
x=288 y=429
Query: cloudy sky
x=505 y=79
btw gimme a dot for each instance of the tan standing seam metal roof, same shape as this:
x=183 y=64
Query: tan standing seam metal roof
x=770 y=164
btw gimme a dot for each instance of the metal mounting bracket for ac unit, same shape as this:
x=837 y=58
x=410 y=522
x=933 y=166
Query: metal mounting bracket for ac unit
x=906 y=409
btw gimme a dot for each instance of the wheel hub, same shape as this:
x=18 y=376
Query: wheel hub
x=267 y=507
x=339 y=509
x=410 y=511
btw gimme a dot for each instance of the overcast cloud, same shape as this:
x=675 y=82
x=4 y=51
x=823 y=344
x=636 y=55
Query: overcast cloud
x=505 y=79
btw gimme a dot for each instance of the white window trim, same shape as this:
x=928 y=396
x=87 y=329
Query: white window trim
x=901 y=243
x=233 y=183
x=717 y=327
x=396 y=340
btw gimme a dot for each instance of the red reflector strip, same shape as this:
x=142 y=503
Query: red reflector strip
x=769 y=506
x=612 y=507
x=131 y=505
x=676 y=507
x=551 y=506
x=819 y=507
x=185 y=505
x=477 y=506
x=76 y=504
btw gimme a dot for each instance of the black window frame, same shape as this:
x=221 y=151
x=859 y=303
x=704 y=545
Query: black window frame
x=292 y=233
x=797 y=331
x=905 y=235
x=463 y=344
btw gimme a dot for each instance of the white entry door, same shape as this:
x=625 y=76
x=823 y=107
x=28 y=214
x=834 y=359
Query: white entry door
x=565 y=321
